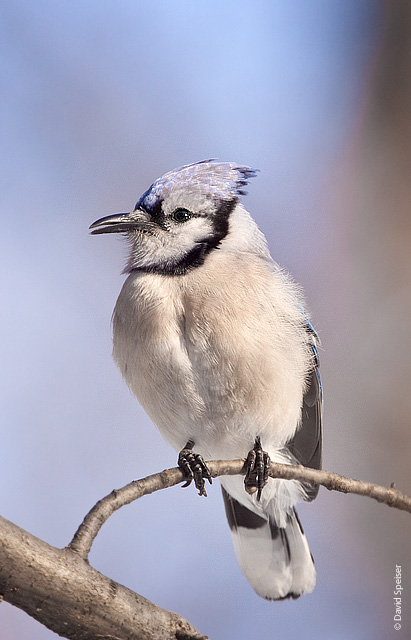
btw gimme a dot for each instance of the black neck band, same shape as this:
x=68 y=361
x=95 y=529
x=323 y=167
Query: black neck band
x=190 y=260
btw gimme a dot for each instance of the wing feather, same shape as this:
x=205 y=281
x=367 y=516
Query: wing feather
x=306 y=445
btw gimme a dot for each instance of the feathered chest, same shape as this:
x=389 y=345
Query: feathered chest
x=211 y=348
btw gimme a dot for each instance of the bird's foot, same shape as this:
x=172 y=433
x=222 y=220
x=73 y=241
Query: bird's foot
x=194 y=468
x=257 y=466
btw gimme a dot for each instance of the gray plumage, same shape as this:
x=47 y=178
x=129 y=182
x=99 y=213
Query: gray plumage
x=211 y=337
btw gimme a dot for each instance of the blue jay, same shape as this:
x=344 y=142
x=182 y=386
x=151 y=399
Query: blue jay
x=211 y=337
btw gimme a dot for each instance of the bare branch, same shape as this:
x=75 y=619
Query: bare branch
x=102 y=510
x=59 y=589
x=94 y=520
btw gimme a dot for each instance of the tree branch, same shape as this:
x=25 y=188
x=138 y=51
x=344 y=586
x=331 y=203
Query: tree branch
x=58 y=587
x=94 y=520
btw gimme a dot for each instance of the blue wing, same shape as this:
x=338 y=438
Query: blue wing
x=306 y=445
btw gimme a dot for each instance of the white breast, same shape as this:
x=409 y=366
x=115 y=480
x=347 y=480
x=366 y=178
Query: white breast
x=218 y=355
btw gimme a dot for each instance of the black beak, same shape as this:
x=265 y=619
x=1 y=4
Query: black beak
x=116 y=223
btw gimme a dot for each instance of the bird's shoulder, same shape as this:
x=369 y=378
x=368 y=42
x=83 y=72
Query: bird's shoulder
x=243 y=278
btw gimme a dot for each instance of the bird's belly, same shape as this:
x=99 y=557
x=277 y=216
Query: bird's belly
x=217 y=388
x=190 y=396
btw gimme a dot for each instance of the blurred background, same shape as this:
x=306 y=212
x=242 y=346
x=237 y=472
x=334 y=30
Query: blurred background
x=98 y=100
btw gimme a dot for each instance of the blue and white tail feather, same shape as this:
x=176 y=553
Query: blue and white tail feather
x=269 y=542
x=275 y=560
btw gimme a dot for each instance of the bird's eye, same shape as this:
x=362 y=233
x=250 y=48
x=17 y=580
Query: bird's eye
x=182 y=215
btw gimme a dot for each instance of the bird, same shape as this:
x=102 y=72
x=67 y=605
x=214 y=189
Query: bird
x=212 y=337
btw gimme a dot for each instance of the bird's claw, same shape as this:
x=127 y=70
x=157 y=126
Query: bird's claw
x=257 y=466
x=194 y=468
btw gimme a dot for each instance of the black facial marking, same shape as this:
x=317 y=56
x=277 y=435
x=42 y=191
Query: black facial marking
x=155 y=212
x=220 y=222
x=179 y=267
x=196 y=256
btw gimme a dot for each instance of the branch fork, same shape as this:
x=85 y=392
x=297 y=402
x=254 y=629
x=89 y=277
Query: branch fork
x=97 y=516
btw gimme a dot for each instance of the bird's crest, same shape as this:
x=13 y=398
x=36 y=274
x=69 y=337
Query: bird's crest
x=216 y=180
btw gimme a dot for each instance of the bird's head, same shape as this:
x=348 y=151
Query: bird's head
x=181 y=218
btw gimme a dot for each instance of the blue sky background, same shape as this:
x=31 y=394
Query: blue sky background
x=98 y=100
